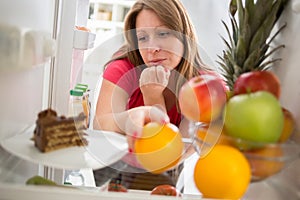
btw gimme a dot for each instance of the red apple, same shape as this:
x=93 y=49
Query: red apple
x=202 y=98
x=257 y=80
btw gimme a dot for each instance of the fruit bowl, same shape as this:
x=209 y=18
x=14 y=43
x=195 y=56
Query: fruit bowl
x=265 y=159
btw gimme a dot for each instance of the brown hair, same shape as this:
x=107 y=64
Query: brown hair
x=173 y=14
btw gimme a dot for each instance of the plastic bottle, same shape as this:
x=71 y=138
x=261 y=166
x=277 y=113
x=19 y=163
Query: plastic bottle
x=75 y=177
x=85 y=101
x=75 y=105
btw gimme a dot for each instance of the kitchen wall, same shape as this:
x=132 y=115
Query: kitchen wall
x=288 y=68
x=206 y=16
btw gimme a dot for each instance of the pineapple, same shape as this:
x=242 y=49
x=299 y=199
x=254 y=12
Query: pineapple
x=249 y=42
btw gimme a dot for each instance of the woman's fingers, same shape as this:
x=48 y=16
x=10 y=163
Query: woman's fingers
x=162 y=75
x=138 y=117
x=156 y=74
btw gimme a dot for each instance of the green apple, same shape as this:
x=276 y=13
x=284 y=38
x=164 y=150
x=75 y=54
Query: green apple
x=38 y=180
x=256 y=117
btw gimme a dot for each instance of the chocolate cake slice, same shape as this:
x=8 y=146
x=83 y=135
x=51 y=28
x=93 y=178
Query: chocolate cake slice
x=54 y=132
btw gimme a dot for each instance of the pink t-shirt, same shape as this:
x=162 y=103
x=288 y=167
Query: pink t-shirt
x=125 y=75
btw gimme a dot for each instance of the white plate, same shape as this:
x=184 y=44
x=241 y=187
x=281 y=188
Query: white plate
x=104 y=148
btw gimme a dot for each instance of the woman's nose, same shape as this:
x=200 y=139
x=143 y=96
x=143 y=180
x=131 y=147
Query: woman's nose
x=154 y=46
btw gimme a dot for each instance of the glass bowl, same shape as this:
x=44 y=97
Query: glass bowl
x=265 y=159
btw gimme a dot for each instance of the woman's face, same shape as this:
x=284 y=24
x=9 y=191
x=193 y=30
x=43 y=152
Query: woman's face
x=157 y=44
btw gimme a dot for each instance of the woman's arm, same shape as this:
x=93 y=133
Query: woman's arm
x=111 y=113
x=111 y=101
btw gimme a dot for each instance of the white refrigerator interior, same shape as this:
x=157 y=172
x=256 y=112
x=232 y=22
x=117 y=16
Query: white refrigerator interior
x=23 y=83
x=41 y=59
x=38 y=52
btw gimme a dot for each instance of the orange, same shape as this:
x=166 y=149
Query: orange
x=159 y=148
x=288 y=125
x=213 y=133
x=224 y=173
x=265 y=161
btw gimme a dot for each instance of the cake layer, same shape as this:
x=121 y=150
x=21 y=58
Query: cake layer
x=66 y=145
x=53 y=132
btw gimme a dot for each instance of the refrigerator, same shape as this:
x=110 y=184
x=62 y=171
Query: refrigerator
x=43 y=56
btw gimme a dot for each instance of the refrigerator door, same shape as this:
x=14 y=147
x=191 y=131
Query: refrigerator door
x=37 y=56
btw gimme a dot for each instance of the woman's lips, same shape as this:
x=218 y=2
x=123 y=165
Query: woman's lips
x=155 y=62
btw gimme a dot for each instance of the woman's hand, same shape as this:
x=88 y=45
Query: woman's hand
x=153 y=81
x=156 y=75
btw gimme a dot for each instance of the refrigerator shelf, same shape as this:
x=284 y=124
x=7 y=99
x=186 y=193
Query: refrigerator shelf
x=28 y=192
x=104 y=148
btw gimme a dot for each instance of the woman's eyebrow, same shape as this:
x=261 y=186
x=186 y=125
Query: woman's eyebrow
x=154 y=27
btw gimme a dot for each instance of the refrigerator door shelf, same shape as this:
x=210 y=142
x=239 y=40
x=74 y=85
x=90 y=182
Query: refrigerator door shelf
x=83 y=39
x=23 y=48
x=28 y=192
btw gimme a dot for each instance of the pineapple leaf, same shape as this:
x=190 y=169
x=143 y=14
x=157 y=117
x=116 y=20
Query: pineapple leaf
x=252 y=61
x=233 y=7
x=276 y=33
x=245 y=30
x=265 y=65
x=224 y=70
x=271 y=52
x=266 y=46
x=259 y=13
x=241 y=12
x=249 y=45
x=228 y=32
x=240 y=51
x=264 y=30
x=234 y=29
x=226 y=43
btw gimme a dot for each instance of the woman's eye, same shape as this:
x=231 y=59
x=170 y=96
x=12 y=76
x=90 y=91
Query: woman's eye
x=164 y=34
x=141 y=38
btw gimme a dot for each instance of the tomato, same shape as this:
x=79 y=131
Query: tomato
x=116 y=187
x=167 y=190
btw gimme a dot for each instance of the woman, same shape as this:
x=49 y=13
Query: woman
x=141 y=82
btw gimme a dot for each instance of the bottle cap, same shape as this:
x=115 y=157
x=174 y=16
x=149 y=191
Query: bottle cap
x=80 y=86
x=76 y=92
